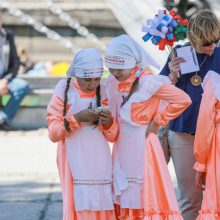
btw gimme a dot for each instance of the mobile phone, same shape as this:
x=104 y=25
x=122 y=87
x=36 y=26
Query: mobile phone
x=102 y=108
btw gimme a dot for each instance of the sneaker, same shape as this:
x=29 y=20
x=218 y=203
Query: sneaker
x=6 y=127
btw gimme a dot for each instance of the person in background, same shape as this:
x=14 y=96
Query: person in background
x=9 y=83
x=25 y=62
x=203 y=35
x=207 y=147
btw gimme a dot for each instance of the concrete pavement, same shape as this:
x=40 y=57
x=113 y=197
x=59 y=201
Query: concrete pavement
x=29 y=184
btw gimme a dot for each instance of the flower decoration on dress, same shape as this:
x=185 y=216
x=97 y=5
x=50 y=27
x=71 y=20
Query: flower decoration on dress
x=165 y=29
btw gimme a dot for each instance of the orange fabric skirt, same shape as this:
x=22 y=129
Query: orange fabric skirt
x=96 y=215
x=139 y=214
x=129 y=214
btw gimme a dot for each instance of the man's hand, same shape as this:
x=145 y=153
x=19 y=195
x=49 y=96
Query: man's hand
x=3 y=87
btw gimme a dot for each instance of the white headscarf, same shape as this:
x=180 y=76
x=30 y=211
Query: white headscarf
x=124 y=53
x=87 y=63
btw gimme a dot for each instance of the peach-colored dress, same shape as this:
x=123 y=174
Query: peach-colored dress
x=83 y=158
x=207 y=146
x=142 y=184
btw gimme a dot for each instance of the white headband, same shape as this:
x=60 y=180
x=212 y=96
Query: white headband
x=87 y=63
x=124 y=53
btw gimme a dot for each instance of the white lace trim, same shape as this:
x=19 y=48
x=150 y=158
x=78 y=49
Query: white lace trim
x=93 y=197
x=132 y=197
x=92 y=182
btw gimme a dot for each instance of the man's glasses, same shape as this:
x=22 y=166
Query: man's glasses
x=206 y=44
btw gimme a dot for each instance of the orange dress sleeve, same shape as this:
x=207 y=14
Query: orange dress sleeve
x=177 y=101
x=205 y=128
x=55 y=118
x=111 y=134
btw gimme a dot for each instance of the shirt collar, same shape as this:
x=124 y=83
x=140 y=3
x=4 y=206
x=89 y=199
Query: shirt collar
x=125 y=86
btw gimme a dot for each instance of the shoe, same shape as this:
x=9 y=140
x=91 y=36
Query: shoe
x=6 y=127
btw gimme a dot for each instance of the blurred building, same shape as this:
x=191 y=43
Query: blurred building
x=93 y=14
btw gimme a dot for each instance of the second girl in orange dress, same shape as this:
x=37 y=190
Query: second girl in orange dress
x=140 y=103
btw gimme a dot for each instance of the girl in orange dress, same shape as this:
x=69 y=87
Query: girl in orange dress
x=83 y=154
x=142 y=184
x=207 y=148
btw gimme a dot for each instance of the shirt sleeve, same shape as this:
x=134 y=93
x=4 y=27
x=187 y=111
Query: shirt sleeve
x=205 y=128
x=14 y=61
x=111 y=134
x=177 y=102
x=165 y=71
x=55 y=118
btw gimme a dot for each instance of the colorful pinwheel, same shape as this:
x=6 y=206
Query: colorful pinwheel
x=165 y=29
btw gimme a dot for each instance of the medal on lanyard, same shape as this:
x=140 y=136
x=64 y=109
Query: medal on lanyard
x=196 y=80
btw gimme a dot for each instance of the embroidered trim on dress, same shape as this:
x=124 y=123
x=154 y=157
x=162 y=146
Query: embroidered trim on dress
x=137 y=180
x=92 y=182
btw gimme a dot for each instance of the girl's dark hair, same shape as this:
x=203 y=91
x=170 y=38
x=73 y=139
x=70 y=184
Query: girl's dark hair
x=66 y=123
x=98 y=102
x=133 y=87
x=98 y=97
x=132 y=90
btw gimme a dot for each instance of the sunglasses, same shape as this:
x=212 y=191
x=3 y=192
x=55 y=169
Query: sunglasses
x=206 y=44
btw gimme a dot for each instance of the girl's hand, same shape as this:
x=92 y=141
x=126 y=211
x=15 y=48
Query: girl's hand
x=174 y=66
x=153 y=127
x=87 y=115
x=200 y=180
x=105 y=118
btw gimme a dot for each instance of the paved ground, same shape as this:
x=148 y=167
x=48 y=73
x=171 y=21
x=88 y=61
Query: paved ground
x=29 y=184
